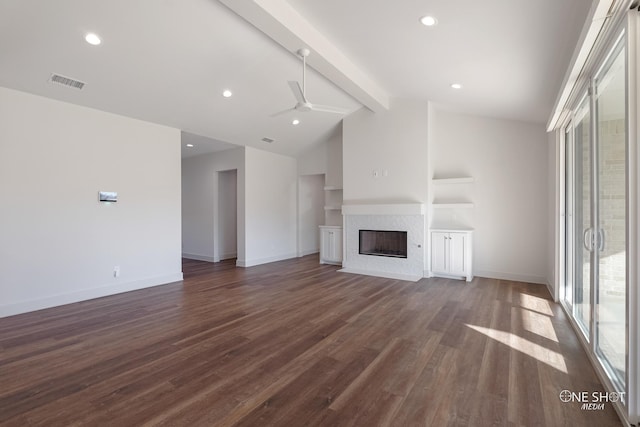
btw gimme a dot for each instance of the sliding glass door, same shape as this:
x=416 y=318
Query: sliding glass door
x=611 y=231
x=596 y=235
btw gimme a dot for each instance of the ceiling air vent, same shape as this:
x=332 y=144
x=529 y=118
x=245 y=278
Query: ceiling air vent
x=269 y=140
x=66 y=81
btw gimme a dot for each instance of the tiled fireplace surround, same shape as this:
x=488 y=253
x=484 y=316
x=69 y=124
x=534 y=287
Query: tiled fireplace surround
x=388 y=217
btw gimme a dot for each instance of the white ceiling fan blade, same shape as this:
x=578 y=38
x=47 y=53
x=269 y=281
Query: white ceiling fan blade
x=280 y=113
x=297 y=92
x=328 y=109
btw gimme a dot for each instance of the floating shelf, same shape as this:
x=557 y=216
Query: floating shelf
x=461 y=180
x=451 y=229
x=332 y=208
x=332 y=188
x=464 y=205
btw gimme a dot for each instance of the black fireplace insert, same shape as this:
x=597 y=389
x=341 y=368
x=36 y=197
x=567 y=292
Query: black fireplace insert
x=383 y=243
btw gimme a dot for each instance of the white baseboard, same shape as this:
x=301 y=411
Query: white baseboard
x=511 y=276
x=258 y=261
x=384 y=274
x=198 y=257
x=308 y=252
x=86 y=294
x=228 y=256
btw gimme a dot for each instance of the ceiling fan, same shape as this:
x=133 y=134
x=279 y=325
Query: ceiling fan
x=303 y=105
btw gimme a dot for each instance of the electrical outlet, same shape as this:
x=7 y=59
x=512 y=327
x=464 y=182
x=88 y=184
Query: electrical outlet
x=116 y=271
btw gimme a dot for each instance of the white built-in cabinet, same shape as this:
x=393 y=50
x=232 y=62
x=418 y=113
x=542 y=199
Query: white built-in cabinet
x=330 y=244
x=451 y=254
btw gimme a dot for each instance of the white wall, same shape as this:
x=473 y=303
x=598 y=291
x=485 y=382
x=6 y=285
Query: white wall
x=270 y=207
x=200 y=202
x=324 y=158
x=334 y=174
x=509 y=161
x=314 y=160
x=310 y=213
x=58 y=244
x=228 y=213
x=394 y=141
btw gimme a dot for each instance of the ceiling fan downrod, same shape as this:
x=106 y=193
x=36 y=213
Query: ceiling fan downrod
x=304 y=52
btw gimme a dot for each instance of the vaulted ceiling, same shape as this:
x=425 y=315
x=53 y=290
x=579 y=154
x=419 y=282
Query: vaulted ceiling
x=169 y=61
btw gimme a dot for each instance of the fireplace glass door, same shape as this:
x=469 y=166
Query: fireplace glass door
x=383 y=243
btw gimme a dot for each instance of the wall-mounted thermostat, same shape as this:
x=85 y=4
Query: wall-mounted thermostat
x=108 y=196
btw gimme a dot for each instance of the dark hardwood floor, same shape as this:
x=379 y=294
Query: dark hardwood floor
x=295 y=343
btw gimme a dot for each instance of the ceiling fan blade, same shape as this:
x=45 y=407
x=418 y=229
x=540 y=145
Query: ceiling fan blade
x=280 y=113
x=328 y=109
x=297 y=92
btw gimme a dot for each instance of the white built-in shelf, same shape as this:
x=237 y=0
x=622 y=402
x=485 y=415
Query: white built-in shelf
x=332 y=188
x=460 y=180
x=456 y=205
x=451 y=229
x=332 y=208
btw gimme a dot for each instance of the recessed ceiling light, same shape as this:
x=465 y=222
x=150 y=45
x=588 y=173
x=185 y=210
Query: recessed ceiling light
x=190 y=145
x=456 y=86
x=227 y=93
x=295 y=122
x=429 y=21
x=93 y=39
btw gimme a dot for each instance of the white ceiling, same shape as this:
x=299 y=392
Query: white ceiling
x=168 y=61
x=509 y=55
x=194 y=145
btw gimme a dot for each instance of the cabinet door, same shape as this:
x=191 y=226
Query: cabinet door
x=457 y=250
x=439 y=252
x=337 y=246
x=325 y=244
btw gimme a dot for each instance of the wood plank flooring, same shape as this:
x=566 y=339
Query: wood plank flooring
x=295 y=343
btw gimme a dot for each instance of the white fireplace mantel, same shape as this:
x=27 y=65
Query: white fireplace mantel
x=385 y=209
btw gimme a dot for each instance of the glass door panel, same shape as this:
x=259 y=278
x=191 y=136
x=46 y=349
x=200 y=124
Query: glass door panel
x=583 y=230
x=611 y=290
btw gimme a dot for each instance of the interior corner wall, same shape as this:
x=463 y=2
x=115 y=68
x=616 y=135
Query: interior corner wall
x=385 y=154
x=509 y=161
x=200 y=202
x=58 y=243
x=270 y=207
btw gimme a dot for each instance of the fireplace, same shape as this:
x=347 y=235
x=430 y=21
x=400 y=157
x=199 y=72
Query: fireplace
x=400 y=257
x=383 y=243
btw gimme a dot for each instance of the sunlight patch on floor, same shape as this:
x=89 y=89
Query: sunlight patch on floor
x=534 y=303
x=538 y=352
x=538 y=324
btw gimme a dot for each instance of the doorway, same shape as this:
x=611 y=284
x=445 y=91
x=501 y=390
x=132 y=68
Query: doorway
x=310 y=213
x=226 y=237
